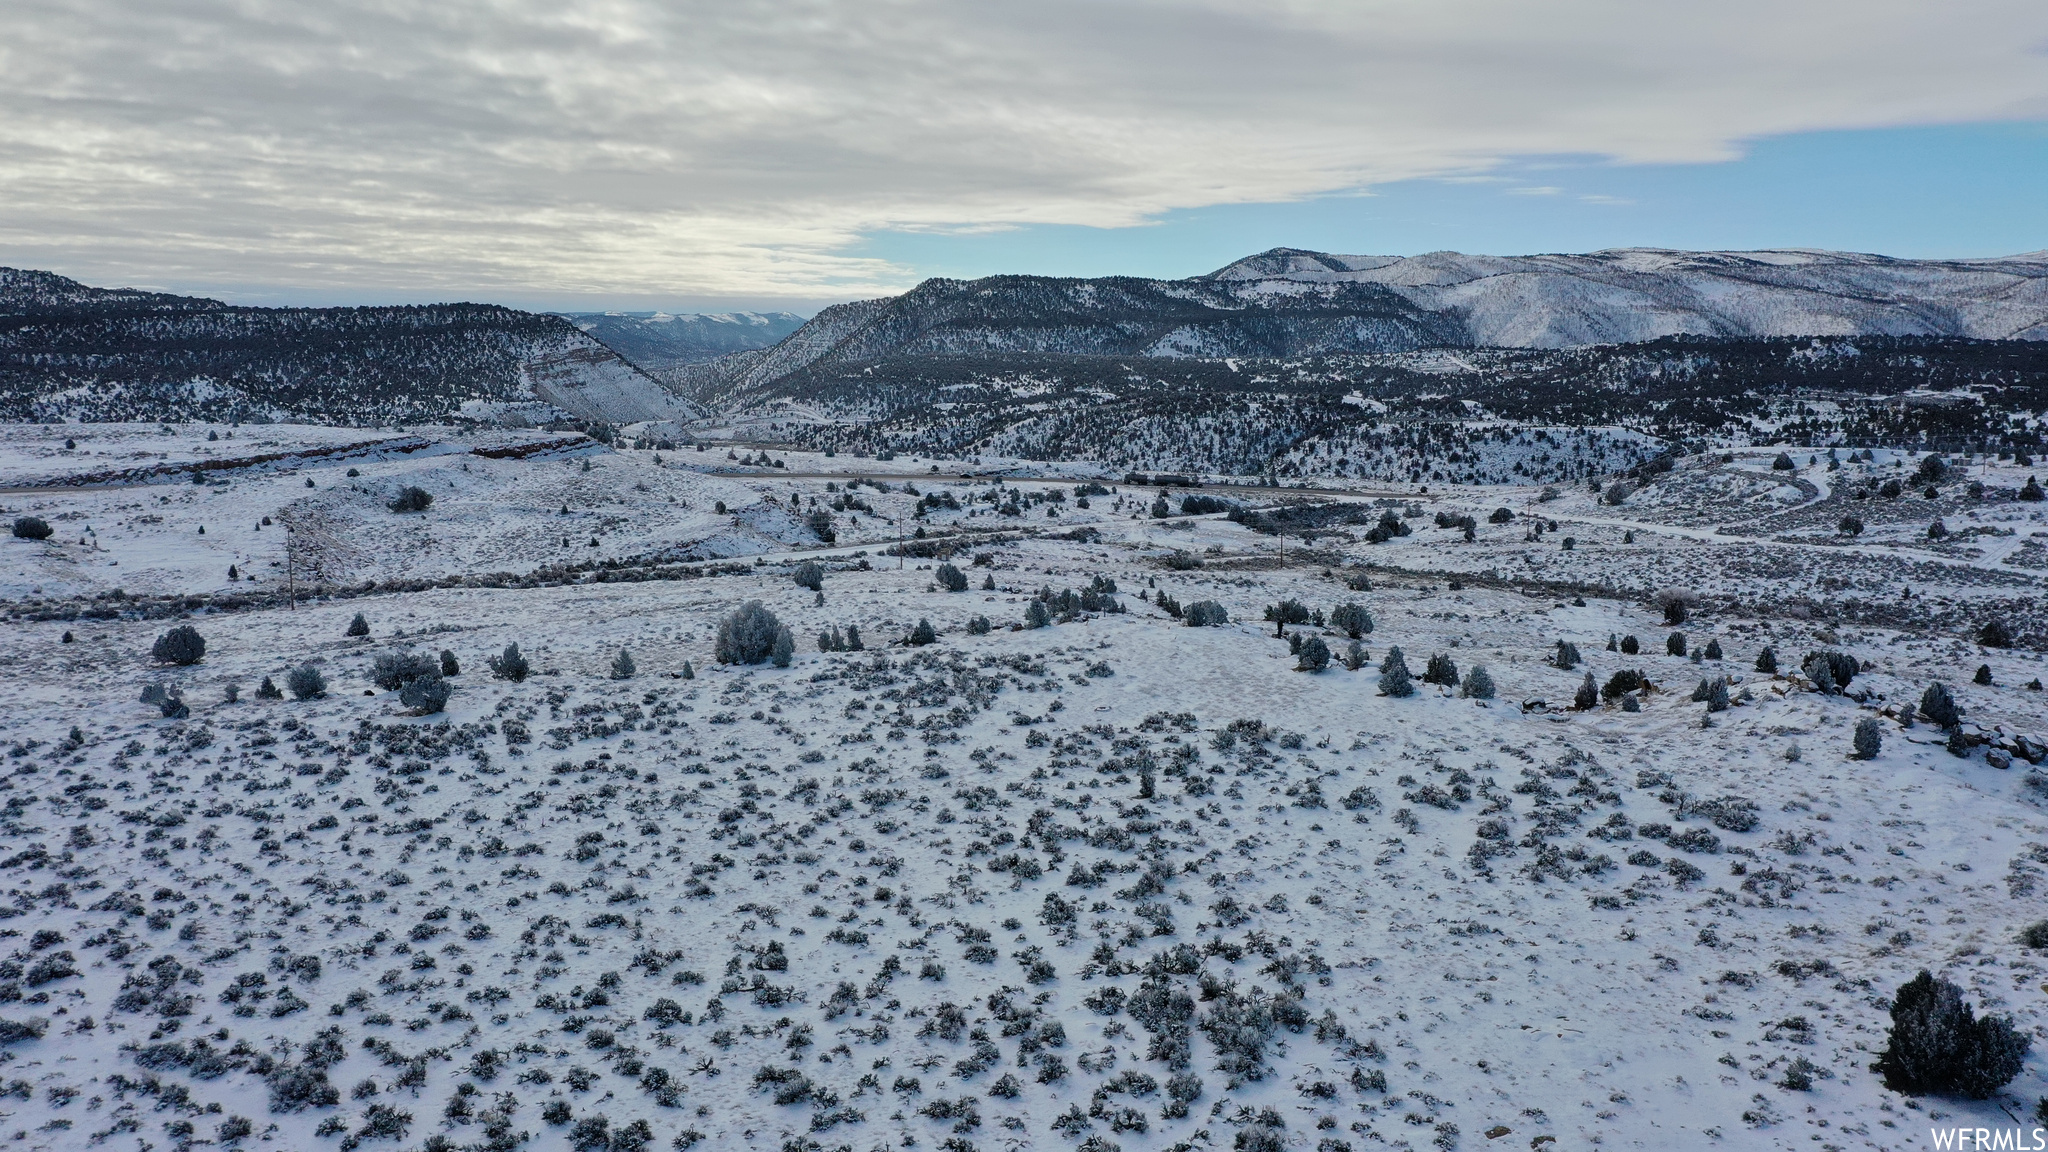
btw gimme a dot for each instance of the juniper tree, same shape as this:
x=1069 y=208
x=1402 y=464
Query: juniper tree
x=1440 y=670
x=1352 y=619
x=1995 y=634
x=306 y=682
x=1566 y=656
x=31 y=528
x=783 y=648
x=1630 y=646
x=1675 y=644
x=623 y=667
x=510 y=664
x=1035 y=615
x=390 y=670
x=978 y=626
x=1983 y=676
x=1613 y=645
x=1394 y=677
x=1869 y=739
x=988 y=582
x=1314 y=655
x=183 y=646
x=1938 y=1046
x=425 y=695
x=853 y=643
x=746 y=635
x=1713 y=649
x=923 y=634
x=1354 y=656
x=1767 y=660
x=689 y=673
x=809 y=574
x=449 y=665
x=268 y=690
x=1205 y=614
x=1588 y=695
x=358 y=626
x=1478 y=683
x=1289 y=611
x=950 y=578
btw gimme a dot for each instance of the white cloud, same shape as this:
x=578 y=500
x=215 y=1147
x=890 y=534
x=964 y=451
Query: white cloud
x=485 y=146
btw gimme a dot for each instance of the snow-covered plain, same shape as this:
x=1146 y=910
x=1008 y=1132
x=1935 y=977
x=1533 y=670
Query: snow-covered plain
x=1113 y=883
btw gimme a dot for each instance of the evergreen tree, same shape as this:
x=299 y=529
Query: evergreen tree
x=1938 y=1046
x=1479 y=683
x=1713 y=649
x=1939 y=706
x=1566 y=656
x=923 y=634
x=306 y=682
x=809 y=574
x=1869 y=738
x=783 y=649
x=1588 y=696
x=183 y=646
x=1440 y=670
x=1630 y=646
x=268 y=690
x=1983 y=676
x=1767 y=660
x=1675 y=644
x=623 y=667
x=1314 y=655
x=1035 y=615
x=449 y=665
x=510 y=665
x=358 y=626
x=746 y=635
x=1352 y=619
x=950 y=578
x=1394 y=678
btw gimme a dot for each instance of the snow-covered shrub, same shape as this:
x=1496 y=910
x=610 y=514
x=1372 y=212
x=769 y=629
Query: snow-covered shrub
x=425 y=694
x=623 y=667
x=411 y=498
x=746 y=635
x=358 y=626
x=1869 y=739
x=510 y=664
x=1939 y=706
x=1938 y=1046
x=1314 y=655
x=31 y=528
x=950 y=578
x=1352 y=619
x=1440 y=670
x=1394 y=677
x=783 y=649
x=450 y=666
x=922 y=634
x=306 y=682
x=390 y=670
x=978 y=626
x=182 y=645
x=809 y=574
x=1205 y=614
x=1478 y=683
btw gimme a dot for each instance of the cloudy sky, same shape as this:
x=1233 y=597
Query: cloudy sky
x=627 y=153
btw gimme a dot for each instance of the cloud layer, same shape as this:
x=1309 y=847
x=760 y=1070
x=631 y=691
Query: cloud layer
x=487 y=147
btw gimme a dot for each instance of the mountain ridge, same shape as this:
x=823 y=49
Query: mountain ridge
x=1293 y=302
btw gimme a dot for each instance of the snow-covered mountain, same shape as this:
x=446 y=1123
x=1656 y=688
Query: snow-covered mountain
x=1288 y=302
x=1626 y=295
x=73 y=352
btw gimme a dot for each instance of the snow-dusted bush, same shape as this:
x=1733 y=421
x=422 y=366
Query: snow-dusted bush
x=31 y=528
x=623 y=667
x=809 y=574
x=783 y=649
x=1440 y=670
x=306 y=682
x=922 y=634
x=510 y=664
x=1352 y=619
x=411 y=498
x=1869 y=739
x=1394 y=677
x=746 y=635
x=1567 y=655
x=978 y=626
x=1938 y=1046
x=390 y=670
x=358 y=626
x=450 y=666
x=1314 y=655
x=182 y=645
x=1939 y=706
x=950 y=578
x=1479 y=683
x=1204 y=614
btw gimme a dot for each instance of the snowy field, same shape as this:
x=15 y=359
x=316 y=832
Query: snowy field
x=1111 y=883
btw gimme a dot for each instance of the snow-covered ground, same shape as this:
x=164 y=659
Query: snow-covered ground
x=1112 y=883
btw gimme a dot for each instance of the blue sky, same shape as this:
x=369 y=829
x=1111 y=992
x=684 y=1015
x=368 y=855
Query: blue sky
x=1961 y=190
